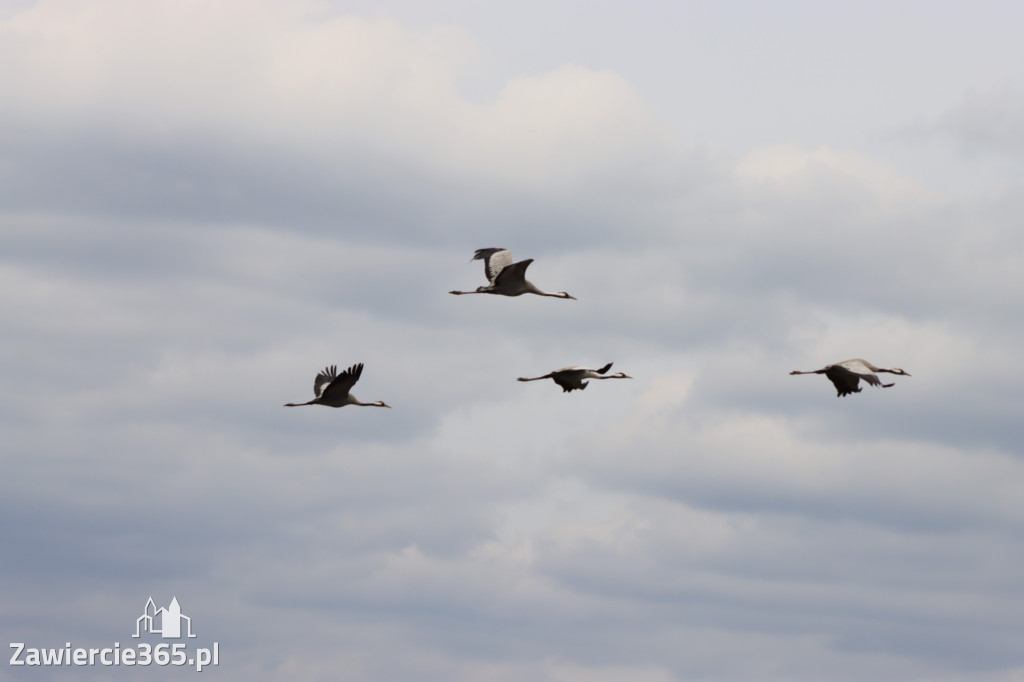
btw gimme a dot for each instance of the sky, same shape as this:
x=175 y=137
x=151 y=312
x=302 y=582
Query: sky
x=204 y=204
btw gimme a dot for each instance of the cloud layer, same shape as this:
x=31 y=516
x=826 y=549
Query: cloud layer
x=202 y=206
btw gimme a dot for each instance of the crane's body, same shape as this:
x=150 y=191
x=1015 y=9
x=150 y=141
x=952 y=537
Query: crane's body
x=575 y=377
x=846 y=375
x=505 y=277
x=333 y=389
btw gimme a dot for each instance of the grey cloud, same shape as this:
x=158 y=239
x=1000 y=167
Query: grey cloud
x=988 y=122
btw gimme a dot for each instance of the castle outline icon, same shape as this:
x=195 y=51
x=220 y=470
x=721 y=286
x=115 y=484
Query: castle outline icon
x=170 y=620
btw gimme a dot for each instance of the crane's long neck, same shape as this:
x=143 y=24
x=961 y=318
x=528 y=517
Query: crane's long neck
x=897 y=371
x=530 y=288
x=534 y=290
x=352 y=400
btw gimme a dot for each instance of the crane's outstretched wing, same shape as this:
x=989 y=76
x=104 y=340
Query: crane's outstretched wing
x=846 y=381
x=516 y=272
x=340 y=384
x=871 y=379
x=495 y=260
x=324 y=377
x=865 y=371
x=570 y=378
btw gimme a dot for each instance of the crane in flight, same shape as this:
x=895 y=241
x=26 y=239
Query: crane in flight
x=846 y=376
x=575 y=377
x=505 y=277
x=332 y=389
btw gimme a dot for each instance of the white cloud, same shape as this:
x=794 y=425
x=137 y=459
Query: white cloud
x=292 y=77
x=792 y=169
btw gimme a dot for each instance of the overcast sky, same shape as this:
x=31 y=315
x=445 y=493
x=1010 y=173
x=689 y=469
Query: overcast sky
x=202 y=204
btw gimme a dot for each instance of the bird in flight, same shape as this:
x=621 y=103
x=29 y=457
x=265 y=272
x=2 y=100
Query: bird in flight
x=573 y=378
x=505 y=277
x=846 y=376
x=332 y=389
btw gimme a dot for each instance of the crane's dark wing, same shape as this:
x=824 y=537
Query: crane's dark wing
x=874 y=380
x=516 y=272
x=871 y=379
x=844 y=380
x=324 y=377
x=495 y=260
x=570 y=378
x=342 y=383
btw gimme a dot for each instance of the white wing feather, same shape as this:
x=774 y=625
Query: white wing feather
x=498 y=262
